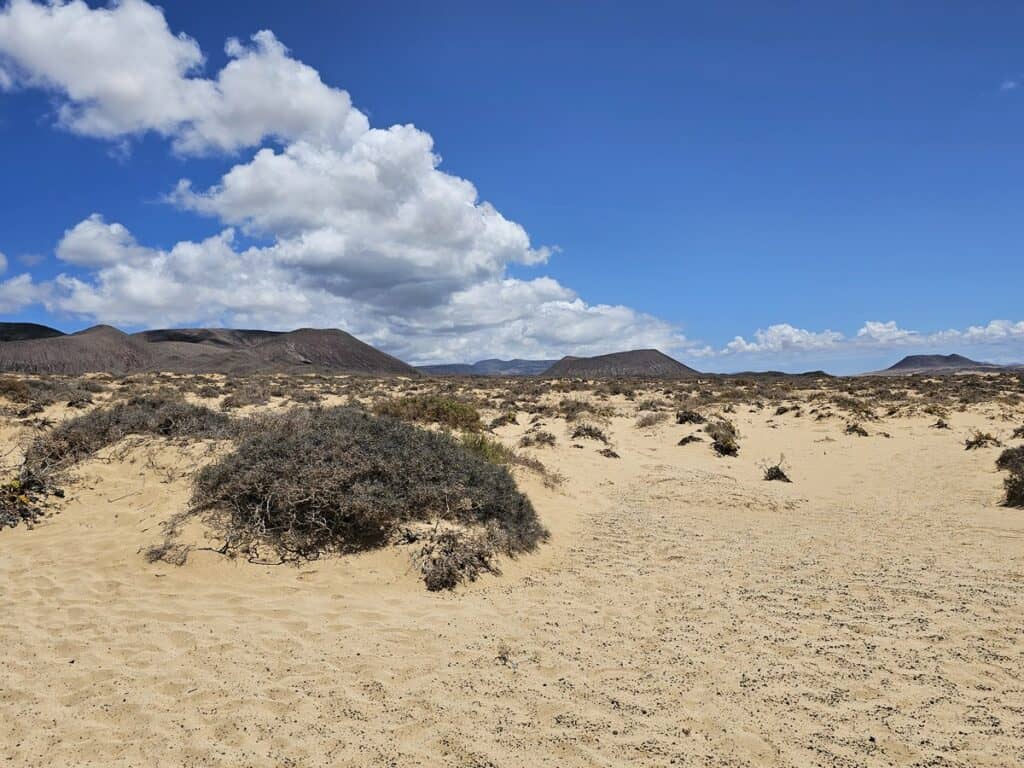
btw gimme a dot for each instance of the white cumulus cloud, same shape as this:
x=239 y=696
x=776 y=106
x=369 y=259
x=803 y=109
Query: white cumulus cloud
x=121 y=72
x=365 y=230
x=783 y=337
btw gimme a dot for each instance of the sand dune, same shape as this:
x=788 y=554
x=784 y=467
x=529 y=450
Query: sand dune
x=685 y=612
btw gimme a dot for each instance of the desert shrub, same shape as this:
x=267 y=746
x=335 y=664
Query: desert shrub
x=588 y=431
x=505 y=419
x=307 y=483
x=724 y=437
x=690 y=439
x=447 y=556
x=981 y=439
x=431 y=409
x=651 y=404
x=51 y=389
x=616 y=387
x=19 y=503
x=500 y=454
x=775 y=471
x=305 y=396
x=608 y=453
x=689 y=417
x=15 y=390
x=650 y=418
x=536 y=439
x=1018 y=433
x=1011 y=460
x=80 y=437
x=1014 y=485
x=248 y=393
x=853 y=428
x=487 y=449
x=572 y=408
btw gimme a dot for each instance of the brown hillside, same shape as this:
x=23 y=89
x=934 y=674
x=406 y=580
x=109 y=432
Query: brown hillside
x=638 y=362
x=100 y=348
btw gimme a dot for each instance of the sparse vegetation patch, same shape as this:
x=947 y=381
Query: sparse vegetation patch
x=981 y=439
x=432 y=409
x=587 y=431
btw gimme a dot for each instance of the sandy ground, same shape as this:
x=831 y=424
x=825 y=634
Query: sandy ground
x=685 y=613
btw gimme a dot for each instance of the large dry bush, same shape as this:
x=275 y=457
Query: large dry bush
x=308 y=483
x=432 y=409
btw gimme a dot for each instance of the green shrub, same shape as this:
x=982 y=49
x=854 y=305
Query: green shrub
x=488 y=449
x=432 y=409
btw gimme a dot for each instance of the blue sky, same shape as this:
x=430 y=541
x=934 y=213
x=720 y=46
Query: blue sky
x=836 y=184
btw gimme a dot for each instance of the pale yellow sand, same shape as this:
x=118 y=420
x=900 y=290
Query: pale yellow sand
x=685 y=612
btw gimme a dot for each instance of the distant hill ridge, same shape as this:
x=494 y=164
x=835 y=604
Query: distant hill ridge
x=935 y=361
x=637 y=362
x=941 y=364
x=27 y=331
x=198 y=350
x=491 y=367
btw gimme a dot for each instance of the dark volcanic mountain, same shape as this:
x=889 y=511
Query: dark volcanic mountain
x=492 y=367
x=100 y=348
x=200 y=350
x=27 y=331
x=939 y=364
x=327 y=350
x=639 y=362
